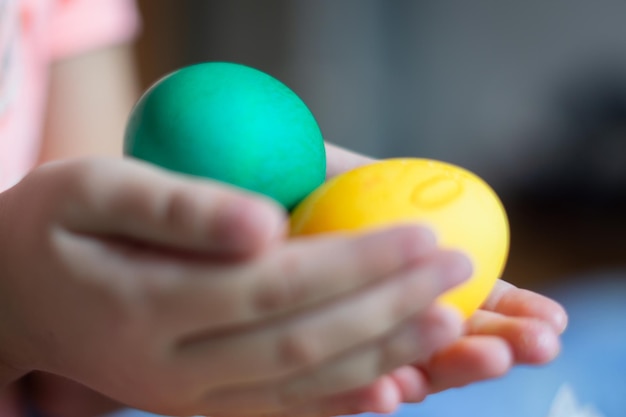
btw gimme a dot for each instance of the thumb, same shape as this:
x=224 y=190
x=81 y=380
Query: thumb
x=135 y=201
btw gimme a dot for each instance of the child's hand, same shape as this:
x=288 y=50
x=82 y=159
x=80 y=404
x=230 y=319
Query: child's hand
x=183 y=297
x=514 y=326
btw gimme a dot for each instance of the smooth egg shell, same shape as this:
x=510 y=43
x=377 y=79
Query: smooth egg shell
x=462 y=210
x=230 y=123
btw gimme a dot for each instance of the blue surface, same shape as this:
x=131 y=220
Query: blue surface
x=592 y=362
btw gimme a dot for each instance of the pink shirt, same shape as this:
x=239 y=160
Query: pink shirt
x=34 y=33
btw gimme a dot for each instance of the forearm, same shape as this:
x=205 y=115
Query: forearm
x=90 y=98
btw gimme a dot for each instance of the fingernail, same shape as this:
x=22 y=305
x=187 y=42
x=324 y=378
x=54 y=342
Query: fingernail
x=559 y=321
x=454 y=268
x=389 y=399
x=384 y=398
x=411 y=382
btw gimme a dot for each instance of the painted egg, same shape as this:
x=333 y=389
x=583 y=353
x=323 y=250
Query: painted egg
x=462 y=210
x=230 y=123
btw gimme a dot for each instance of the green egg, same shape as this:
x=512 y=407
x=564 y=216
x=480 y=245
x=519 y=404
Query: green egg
x=230 y=123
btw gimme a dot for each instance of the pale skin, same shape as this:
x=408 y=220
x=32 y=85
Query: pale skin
x=151 y=289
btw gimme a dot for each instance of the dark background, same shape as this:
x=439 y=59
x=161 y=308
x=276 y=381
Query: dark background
x=530 y=95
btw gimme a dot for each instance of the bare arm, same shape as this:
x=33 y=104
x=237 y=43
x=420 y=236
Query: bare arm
x=90 y=98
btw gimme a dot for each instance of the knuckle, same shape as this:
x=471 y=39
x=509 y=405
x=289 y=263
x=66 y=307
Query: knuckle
x=180 y=211
x=365 y=260
x=91 y=186
x=127 y=308
x=129 y=303
x=374 y=258
x=283 y=288
x=529 y=337
x=83 y=177
x=178 y=208
x=403 y=347
x=297 y=350
x=418 y=292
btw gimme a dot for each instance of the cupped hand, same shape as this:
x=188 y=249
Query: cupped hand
x=182 y=296
x=513 y=327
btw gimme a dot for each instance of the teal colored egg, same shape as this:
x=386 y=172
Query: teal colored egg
x=230 y=123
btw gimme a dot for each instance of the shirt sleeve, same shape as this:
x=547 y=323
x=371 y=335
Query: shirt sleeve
x=78 y=26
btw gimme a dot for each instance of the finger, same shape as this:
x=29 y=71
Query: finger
x=132 y=200
x=474 y=359
x=340 y=160
x=416 y=340
x=403 y=385
x=287 y=346
x=381 y=396
x=531 y=341
x=512 y=301
x=412 y=383
x=295 y=276
x=495 y=343
x=471 y=359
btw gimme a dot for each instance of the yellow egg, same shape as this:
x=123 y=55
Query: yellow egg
x=462 y=210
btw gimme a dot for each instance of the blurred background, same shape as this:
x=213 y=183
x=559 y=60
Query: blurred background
x=530 y=95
